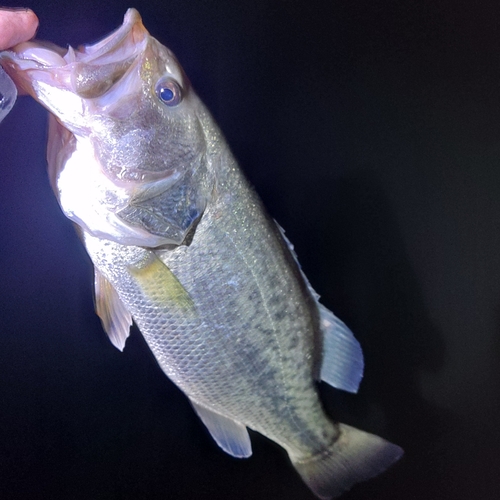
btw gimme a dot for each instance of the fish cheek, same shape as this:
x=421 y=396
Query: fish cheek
x=122 y=152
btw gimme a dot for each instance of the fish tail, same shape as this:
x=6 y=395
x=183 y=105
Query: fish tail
x=355 y=456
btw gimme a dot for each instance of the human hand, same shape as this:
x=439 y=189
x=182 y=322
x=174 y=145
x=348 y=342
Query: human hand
x=16 y=26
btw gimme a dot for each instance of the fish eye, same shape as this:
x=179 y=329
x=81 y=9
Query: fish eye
x=168 y=91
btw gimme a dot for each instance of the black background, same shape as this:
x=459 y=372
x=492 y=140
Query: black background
x=371 y=129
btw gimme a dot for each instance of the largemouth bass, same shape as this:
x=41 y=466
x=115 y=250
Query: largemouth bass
x=183 y=247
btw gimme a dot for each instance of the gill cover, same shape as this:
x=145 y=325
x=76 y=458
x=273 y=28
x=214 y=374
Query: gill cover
x=127 y=153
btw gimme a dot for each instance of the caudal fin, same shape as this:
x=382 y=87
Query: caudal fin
x=355 y=456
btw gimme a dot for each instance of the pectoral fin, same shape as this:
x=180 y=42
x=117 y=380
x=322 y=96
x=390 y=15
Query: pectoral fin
x=161 y=286
x=230 y=435
x=116 y=320
x=343 y=364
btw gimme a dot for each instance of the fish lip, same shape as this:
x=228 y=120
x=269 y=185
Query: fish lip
x=132 y=25
x=39 y=60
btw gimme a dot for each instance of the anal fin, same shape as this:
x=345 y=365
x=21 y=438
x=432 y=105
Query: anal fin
x=115 y=318
x=230 y=435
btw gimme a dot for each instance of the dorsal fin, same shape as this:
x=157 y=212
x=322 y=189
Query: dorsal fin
x=342 y=363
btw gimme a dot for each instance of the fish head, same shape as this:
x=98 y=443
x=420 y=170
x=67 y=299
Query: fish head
x=128 y=145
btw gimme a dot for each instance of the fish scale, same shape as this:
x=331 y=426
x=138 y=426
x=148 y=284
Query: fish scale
x=184 y=247
x=228 y=374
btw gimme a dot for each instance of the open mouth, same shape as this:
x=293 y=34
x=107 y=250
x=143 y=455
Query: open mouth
x=89 y=72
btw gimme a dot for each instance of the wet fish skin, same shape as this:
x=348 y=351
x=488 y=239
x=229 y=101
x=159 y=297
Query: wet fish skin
x=182 y=245
x=226 y=368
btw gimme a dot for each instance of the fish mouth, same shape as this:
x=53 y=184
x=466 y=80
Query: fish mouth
x=87 y=72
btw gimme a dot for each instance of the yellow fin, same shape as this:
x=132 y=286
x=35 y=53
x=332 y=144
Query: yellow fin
x=160 y=285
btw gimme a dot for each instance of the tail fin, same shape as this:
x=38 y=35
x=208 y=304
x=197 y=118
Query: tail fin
x=355 y=456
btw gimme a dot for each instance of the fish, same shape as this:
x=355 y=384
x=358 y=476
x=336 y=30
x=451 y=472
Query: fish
x=183 y=247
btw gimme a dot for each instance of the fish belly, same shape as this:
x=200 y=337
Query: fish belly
x=232 y=322
x=245 y=342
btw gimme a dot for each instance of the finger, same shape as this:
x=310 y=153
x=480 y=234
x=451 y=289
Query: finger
x=16 y=26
